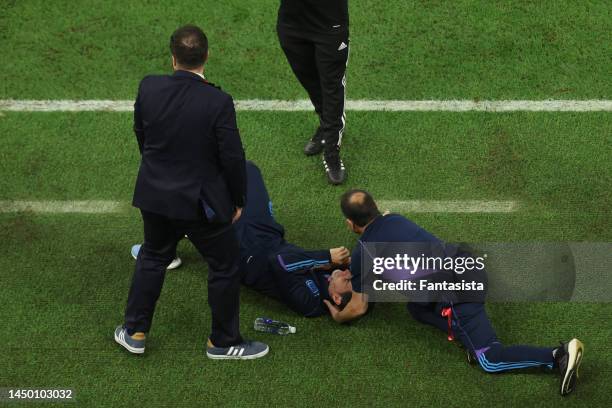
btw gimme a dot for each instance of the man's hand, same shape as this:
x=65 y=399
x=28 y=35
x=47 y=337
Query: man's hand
x=333 y=310
x=340 y=256
x=237 y=214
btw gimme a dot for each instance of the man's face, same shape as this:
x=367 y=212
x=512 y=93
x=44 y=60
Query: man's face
x=339 y=283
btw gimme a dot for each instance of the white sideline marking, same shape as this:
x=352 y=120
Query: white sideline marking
x=468 y=206
x=411 y=206
x=85 y=207
x=12 y=105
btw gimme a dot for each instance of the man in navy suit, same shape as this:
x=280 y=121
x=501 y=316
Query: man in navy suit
x=192 y=181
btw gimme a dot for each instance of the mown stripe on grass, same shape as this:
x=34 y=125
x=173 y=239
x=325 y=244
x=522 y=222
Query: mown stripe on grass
x=449 y=206
x=13 y=105
x=412 y=206
x=85 y=207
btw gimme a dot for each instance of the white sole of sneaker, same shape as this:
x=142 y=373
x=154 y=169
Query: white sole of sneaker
x=176 y=262
x=129 y=348
x=575 y=351
x=249 y=357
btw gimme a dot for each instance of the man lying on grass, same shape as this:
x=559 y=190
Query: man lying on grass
x=274 y=267
x=467 y=321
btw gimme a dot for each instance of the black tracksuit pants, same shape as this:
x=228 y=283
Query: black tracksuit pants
x=319 y=62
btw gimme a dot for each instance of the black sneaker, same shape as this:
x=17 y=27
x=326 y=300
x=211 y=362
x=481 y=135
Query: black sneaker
x=334 y=168
x=471 y=358
x=568 y=358
x=314 y=145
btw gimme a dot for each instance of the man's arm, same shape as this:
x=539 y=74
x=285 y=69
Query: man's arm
x=337 y=256
x=231 y=153
x=138 y=125
x=357 y=307
x=292 y=262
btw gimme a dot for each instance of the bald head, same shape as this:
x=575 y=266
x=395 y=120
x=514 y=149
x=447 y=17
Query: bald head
x=359 y=207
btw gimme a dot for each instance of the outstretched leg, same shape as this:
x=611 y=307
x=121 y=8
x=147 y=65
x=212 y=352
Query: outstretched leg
x=473 y=329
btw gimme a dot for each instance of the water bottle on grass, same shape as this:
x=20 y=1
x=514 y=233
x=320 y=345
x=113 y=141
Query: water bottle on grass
x=266 y=325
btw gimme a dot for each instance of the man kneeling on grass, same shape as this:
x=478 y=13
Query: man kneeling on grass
x=274 y=267
x=467 y=321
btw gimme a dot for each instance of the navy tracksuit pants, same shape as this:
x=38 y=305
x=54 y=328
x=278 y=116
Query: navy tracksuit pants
x=471 y=326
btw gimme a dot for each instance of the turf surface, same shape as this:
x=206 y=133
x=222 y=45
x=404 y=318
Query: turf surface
x=399 y=49
x=64 y=278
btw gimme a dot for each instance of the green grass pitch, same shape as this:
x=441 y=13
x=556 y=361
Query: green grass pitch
x=64 y=278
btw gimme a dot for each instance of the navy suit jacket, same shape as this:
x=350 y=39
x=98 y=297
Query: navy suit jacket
x=192 y=160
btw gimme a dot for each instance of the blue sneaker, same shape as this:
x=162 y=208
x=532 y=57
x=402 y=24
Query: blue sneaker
x=247 y=350
x=131 y=345
x=176 y=262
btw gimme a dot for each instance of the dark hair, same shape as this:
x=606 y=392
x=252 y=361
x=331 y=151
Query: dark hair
x=189 y=46
x=359 y=206
x=345 y=299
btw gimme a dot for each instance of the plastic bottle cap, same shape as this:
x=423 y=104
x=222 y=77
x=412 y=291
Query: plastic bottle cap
x=291 y=329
